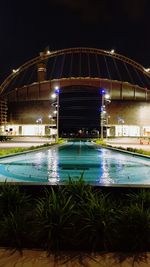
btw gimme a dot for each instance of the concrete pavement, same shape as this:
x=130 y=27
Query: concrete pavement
x=25 y=142
x=15 y=142
x=138 y=143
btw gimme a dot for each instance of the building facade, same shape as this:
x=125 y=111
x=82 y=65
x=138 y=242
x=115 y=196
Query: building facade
x=29 y=109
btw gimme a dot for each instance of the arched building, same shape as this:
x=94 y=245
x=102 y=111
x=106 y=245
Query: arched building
x=84 y=76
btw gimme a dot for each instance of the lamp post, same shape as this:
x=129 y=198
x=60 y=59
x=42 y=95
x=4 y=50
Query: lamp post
x=102 y=117
x=55 y=95
x=39 y=121
x=50 y=122
x=105 y=100
x=121 y=123
x=107 y=122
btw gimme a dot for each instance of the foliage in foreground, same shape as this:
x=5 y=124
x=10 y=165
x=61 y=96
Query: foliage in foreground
x=76 y=216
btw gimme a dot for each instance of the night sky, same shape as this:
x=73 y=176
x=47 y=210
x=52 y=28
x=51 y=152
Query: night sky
x=28 y=27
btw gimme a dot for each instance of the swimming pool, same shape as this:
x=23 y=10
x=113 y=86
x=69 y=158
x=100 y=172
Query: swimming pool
x=98 y=165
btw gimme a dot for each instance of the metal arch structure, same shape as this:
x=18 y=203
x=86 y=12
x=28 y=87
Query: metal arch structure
x=49 y=54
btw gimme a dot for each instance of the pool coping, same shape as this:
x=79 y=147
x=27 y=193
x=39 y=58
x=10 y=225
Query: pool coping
x=45 y=184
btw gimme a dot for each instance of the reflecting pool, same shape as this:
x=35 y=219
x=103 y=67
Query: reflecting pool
x=97 y=165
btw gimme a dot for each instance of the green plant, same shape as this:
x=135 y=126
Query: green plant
x=61 y=141
x=100 y=142
x=140 y=198
x=75 y=216
x=132 y=149
x=97 y=218
x=8 y=151
x=15 y=215
x=54 y=220
x=12 y=199
x=132 y=229
x=78 y=189
x=14 y=230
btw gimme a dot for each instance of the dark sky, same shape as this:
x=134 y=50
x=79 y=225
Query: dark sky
x=28 y=27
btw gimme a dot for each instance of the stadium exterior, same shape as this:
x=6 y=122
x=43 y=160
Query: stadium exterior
x=25 y=107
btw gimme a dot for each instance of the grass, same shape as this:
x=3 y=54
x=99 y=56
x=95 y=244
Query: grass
x=130 y=149
x=8 y=151
x=134 y=150
x=99 y=142
x=140 y=151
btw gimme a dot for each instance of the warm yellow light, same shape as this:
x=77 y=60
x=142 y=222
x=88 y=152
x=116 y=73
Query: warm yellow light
x=48 y=52
x=147 y=70
x=112 y=51
x=15 y=71
x=107 y=96
x=53 y=95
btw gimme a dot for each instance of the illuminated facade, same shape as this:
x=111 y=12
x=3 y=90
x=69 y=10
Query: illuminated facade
x=28 y=109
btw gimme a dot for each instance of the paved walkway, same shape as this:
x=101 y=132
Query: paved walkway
x=129 y=142
x=31 y=258
x=37 y=141
x=25 y=142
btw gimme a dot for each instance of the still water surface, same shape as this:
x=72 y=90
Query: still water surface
x=56 y=164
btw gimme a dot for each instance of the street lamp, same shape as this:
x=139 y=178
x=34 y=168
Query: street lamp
x=55 y=95
x=39 y=121
x=105 y=100
x=102 y=114
x=106 y=122
x=121 y=123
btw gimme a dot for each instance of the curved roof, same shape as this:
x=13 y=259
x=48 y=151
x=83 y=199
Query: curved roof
x=83 y=61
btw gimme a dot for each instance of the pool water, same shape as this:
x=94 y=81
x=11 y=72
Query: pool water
x=97 y=165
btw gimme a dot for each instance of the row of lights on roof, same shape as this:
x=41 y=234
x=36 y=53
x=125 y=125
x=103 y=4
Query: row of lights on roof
x=147 y=70
x=48 y=52
x=15 y=70
x=112 y=51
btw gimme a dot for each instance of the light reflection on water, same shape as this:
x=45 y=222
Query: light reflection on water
x=55 y=165
x=104 y=177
